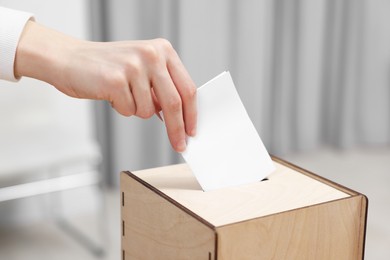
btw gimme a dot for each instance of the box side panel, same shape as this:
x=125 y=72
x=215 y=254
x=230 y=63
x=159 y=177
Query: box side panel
x=326 y=231
x=363 y=225
x=155 y=228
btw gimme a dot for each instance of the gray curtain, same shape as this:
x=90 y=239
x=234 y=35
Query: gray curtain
x=310 y=73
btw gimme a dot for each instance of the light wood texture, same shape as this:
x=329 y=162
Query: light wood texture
x=285 y=190
x=327 y=231
x=293 y=215
x=154 y=228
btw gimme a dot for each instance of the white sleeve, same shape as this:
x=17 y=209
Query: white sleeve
x=12 y=23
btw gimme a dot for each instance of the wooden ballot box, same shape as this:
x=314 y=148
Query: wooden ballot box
x=293 y=215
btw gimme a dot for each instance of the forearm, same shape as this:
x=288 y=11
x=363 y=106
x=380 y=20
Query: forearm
x=41 y=53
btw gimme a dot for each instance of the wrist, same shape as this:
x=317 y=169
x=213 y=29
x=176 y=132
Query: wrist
x=41 y=53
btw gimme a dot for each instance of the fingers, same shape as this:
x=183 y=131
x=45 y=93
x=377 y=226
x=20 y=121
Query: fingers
x=171 y=105
x=122 y=101
x=155 y=101
x=156 y=80
x=157 y=106
x=142 y=93
x=187 y=90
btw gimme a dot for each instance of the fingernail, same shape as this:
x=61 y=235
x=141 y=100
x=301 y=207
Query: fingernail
x=181 y=146
x=193 y=132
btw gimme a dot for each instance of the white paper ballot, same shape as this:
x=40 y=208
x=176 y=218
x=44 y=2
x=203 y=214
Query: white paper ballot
x=226 y=151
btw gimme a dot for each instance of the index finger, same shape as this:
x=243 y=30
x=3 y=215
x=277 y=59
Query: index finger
x=187 y=90
x=171 y=104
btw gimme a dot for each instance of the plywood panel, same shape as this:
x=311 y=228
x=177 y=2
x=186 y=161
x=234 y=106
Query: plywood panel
x=285 y=190
x=327 y=231
x=155 y=228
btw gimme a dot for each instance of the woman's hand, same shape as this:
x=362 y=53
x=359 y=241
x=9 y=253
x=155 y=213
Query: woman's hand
x=137 y=77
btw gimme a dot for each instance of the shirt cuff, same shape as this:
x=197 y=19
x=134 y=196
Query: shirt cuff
x=12 y=23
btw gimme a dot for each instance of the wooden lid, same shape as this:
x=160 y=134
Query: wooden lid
x=286 y=189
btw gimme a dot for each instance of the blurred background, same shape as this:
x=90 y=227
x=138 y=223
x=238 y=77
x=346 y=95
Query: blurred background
x=314 y=76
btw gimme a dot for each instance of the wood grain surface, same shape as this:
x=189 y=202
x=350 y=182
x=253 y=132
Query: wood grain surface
x=293 y=215
x=154 y=228
x=285 y=189
x=326 y=231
